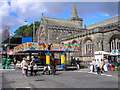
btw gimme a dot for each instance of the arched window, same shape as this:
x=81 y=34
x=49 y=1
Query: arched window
x=88 y=46
x=115 y=43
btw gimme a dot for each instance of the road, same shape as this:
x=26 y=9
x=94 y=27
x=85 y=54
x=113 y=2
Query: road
x=62 y=79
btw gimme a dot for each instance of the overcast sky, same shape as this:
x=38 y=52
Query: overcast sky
x=14 y=13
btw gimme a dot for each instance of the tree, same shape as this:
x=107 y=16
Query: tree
x=21 y=31
x=26 y=30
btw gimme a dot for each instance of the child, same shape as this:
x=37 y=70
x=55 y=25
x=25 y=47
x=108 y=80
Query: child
x=46 y=69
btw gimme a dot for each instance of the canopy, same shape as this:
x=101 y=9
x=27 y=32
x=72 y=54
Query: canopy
x=45 y=47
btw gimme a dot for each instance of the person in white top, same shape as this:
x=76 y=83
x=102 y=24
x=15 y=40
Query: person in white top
x=94 y=65
x=106 y=66
x=24 y=67
x=91 y=67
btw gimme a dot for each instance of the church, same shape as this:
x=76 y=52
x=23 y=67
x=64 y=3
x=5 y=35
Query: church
x=101 y=36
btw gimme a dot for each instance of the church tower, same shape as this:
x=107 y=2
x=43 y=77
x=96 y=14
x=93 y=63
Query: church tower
x=74 y=15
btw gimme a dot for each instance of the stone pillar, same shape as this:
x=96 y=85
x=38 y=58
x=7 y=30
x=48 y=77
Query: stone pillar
x=48 y=58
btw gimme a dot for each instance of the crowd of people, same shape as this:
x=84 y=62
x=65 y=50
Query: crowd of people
x=51 y=69
x=96 y=65
x=99 y=66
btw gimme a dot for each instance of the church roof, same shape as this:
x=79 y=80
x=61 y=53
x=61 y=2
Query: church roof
x=61 y=22
x=105 y=22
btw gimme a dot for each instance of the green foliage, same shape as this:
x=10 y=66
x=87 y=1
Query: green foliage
x=26 y=30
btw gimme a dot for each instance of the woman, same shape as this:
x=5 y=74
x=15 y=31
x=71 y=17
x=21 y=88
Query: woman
x=102 y=65
x=24 y=66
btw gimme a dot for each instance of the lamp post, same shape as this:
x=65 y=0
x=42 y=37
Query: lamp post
x=33 y=32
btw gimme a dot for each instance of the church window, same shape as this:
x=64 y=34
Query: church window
x=88 y=46
x=115 y=44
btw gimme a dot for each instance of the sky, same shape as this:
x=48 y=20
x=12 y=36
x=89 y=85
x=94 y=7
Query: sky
x=14 y=13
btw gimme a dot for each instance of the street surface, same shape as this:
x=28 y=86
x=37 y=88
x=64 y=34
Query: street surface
x=63 y=79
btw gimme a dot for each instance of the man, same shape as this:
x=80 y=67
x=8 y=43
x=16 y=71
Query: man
x=14 y=61
x=53 y=65
x=32 y=63
x=94 y=65
x=73 y=61
x=98 y=66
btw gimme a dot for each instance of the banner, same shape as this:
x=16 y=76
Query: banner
x=47 y=47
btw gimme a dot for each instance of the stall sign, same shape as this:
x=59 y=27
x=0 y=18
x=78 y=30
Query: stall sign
x=47 y=46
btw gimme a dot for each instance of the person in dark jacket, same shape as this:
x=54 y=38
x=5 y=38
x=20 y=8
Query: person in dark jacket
x=15 y=62
x=53 y=66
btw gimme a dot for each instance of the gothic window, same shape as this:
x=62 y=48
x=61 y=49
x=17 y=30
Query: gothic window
x=115 y=44
x=88 y=46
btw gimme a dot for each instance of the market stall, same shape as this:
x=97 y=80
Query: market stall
x=113 y=58
x=47 y=49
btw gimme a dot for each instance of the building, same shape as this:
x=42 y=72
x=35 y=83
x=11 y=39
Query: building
x=102 y=36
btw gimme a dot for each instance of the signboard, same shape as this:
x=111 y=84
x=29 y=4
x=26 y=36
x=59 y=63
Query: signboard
x=26 y=39
x=47 y=47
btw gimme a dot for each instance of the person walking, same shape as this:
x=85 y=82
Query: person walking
x=98 y=66
x=106 y=66
x=24 y=66
x=102 y=65
x=78 y=64
x=14 y=61
x=94 y=65
x=4 y=59
x=8 y=63
x=32 y=63
x=53 y=66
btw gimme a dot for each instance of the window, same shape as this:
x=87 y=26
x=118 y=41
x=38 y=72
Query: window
x=88 y=46
x=115 y=44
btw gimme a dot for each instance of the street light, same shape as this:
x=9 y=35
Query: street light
x=33 y=32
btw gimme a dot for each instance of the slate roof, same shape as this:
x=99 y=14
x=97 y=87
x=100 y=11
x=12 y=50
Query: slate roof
x=61 y=22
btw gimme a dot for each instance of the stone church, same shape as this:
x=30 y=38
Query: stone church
x=101 y=36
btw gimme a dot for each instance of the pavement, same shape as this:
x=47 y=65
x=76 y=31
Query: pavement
x=11 y=78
